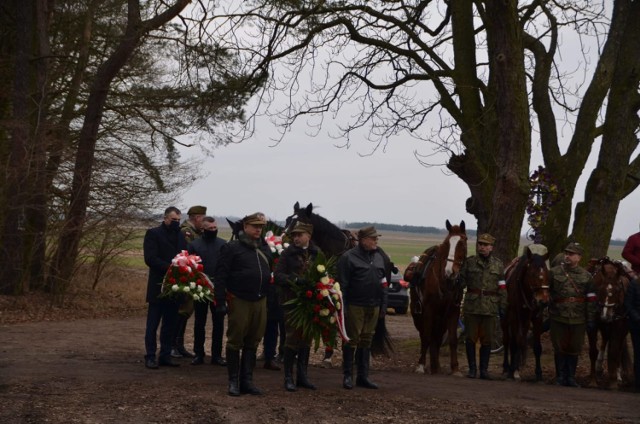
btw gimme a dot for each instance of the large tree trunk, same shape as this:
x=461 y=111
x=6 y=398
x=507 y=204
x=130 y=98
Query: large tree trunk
x=595 y=217
x=16 y=167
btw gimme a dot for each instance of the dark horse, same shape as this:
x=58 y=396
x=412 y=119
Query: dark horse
x=334 y=242
x=528 y=293
x=441 y=296
x=611 y=282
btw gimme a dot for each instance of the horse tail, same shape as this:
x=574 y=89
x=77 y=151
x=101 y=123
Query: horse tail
x=382 y=344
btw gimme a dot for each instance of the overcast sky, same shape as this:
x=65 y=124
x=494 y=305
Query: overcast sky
x=387 y=187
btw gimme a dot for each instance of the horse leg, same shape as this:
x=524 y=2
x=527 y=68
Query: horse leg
x=514 y=368
x=423 y=354
x=507 y=349
x=434 y=357
x=537 y=352
x=453 y=346
x=593 y=355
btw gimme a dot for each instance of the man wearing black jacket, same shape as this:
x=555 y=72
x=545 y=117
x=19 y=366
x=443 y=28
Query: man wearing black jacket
x=361 y=274
x=161 y=245
x=208 y=247
x=241 y=280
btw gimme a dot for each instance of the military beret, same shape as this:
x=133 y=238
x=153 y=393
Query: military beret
x=575 y=248
x=301 y=227
x=197 y=210
x=255 y=219
x=486 y=238
x=367 y=232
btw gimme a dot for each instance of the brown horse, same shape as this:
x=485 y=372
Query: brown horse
x=441 y=295
x=528 y=293
x=611 y=283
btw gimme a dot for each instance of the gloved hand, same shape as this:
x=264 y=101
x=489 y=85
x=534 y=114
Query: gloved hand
x=221 y=308
x=591 y=326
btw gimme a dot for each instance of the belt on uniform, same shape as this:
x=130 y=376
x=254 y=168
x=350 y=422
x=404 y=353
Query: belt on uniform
x=482 y=292
x=570 y=300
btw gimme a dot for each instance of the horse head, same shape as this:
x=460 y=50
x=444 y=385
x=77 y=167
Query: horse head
x=610 y=281
x=536 y=273
x=299 y=214
x=454 y=247
x=236 y=228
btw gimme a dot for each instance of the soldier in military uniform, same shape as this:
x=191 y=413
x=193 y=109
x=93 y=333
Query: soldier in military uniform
x=242 y=278
x=486 y=298
x=572 y=309
x=191 y=229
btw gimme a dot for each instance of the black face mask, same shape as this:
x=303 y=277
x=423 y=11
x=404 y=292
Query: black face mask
x=210 y=234
x=174 y=226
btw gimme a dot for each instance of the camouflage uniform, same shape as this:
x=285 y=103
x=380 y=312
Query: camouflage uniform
x=189 y=231
x=485 y=298
x=572 y=307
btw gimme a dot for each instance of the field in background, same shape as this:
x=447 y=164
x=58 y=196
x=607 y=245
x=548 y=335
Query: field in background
x=399 y=245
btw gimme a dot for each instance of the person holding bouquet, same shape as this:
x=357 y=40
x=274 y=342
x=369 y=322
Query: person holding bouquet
x=361 y=273
x=208 y=247
x=161 y=245
x=241 y=280
x=294 y=262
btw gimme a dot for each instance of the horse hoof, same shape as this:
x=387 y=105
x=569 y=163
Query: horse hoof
x=457 y=374
x=420 y=369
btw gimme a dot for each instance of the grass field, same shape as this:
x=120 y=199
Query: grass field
x=401 y=247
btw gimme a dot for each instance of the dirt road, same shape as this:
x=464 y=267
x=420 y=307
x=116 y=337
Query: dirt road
x=91 y=371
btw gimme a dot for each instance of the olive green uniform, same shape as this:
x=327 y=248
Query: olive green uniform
x=484 y=299
x=572 y=306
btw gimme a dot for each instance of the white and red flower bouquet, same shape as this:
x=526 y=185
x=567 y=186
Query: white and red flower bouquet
x=318 y=307
x=185 y=278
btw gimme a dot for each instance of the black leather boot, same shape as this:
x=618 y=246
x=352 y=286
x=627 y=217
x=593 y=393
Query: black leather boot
x=289 y=357
x=561 y=376
x=363 y=359
x=178 y=343
x=233 y=367
x=485 y=353
x=247 y=364
x=302 y=378
x=471 y=359
x=347 y=366
x=572 y=365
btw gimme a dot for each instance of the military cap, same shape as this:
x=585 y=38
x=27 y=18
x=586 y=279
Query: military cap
x=575 y=248
x=486 y=238
x=197 y=210
x=255 y=219
x=301 y=227
x=367 y=232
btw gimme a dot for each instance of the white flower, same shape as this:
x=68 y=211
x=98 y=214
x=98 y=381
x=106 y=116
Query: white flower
x=271 y=244
x=175 y=288
x=186 y=289
x=332 y=320
x=207 y=292
x=320 y=268
x=324 y=280
x=192 y=285
x=324 y=312
x=286 y=245
x=324 y=292
x=338 y=305
x=336 y=286
x=196 y=297
x=199 y=288
x=336 y=297
x=273 y=249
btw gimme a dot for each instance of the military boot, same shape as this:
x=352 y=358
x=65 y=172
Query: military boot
x=289 y=357
x=247 y=364
x=347 y=366
x=233 y=367
x=485 y=353
x=363 y=359
x=572 y=365
x=471 y=359
x=302 y=378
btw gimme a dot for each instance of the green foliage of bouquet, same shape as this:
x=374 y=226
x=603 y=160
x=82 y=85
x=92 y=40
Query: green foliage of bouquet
x=185 y=279
x=317 y=306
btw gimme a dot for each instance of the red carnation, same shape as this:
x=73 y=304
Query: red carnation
x=199 y=267
x=319 y=296
x=316 y=320
x=317 y=308
x=183 y=279
x=309 y=294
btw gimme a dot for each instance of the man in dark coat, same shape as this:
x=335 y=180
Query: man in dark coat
x=241 y=281
x=208 y=247
x=361 y=274
x=294 y=262
x=161 y=245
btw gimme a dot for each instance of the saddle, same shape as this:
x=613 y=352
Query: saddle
x=415 y=274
